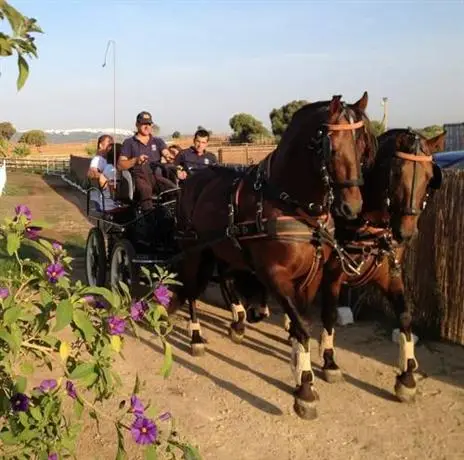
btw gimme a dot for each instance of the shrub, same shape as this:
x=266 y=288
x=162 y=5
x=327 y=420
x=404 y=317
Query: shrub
x=21 y=150
x=91 y=149
x=34 y=137
x=4 y=147
x=76 y=332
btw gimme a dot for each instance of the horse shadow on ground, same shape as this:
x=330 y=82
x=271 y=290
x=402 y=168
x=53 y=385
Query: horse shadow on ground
x=368 y=337
x=176 y=340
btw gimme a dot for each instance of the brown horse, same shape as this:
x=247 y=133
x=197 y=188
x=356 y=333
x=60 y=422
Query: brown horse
x=242 y=290
x=396 y=190
x=275 y=220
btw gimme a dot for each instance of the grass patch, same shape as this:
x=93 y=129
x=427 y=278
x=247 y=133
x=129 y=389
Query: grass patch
x=17 y=190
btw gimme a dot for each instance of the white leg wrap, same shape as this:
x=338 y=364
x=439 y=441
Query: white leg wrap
x=264 y=311
x=236 y=309
x=287 y=322
x=406 y=352
x=300 y=360
x=194 y=327
x=326 y=342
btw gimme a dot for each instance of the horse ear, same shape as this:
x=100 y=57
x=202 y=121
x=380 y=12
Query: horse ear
x=335 y=106
x=437 y=143
x=362 y=103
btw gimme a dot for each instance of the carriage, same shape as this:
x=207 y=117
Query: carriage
x=123 y=239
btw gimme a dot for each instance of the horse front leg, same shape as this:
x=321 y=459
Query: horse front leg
x=305 y=395
x=405 y=386
x=263 y=312
x=331 y=287
x=237 y=326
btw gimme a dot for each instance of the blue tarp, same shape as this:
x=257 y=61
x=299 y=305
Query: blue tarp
x=453 y=159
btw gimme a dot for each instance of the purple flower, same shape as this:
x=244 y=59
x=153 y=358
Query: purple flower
x=53 y=456
x=54 y=272
x=138 y=309
x=136 y=406
x=48 y=385
x=90 y=299
x=116 y=325
x=163 y=295
x=57 y=247
x=33 y=232
x=71 y=389
x=20 y=402
x=100 y=304
x=23 y=210
x=4 y=293
x=165 y=417
x=144 y=431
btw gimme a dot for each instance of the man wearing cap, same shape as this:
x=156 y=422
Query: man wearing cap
x=196 y=156
x=137 y=153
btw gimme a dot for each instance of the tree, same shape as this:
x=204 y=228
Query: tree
x=34 y=137
x=176 y=135
x=377 y=127
x=281 y=117
x=246 y=128
x=431 y=131
x=20 y=40
x=199 y=127
x=7 y=130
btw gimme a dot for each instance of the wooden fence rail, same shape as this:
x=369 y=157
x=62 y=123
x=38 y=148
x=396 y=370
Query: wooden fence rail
x=43 y=165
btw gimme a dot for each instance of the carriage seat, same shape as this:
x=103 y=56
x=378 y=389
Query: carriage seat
x=125 y=188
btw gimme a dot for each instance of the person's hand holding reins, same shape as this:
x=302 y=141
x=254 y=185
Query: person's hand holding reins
x=142 y=159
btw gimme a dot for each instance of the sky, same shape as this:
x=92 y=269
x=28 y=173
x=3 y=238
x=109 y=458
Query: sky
x=195 y=62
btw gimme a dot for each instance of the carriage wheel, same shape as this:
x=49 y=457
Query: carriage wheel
x=95 y=258
x=121 y=266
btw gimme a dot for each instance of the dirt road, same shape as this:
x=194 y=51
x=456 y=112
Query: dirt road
x=235 y=403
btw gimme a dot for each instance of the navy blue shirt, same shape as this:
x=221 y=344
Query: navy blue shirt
x=189 y=158
x=132 y=148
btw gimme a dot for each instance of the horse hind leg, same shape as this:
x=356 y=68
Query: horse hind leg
x=237 y=326
x=197 y=342
x=262 y=312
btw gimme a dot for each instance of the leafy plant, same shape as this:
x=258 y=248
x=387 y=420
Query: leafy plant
x=75 y=333
x=20 y=40
x=21 y=150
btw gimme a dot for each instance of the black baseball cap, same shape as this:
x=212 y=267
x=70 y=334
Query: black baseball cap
x=144 y=117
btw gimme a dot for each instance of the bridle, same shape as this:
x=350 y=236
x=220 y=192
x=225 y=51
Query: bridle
x=417 y=157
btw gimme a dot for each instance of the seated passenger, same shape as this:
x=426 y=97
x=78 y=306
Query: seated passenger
x=170 y=156
x=196 y=156
x=98 y=162
x=107 y=181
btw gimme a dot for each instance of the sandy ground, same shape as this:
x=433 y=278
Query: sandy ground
x=236 y=402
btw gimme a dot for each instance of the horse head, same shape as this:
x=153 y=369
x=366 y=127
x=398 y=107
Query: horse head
x=319 y=156
x=412 y=176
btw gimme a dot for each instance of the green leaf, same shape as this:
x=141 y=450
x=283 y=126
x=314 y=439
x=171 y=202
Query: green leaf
x=21 y=384
x=121 y=454
x=82 y=370
x=35 y=412
x=13 y=243
x=150 y=453
x=167 y=363
x=11 y=315
x=125 y=290
x=136 y=389
x=64 y=315
x=8 y=338
x=82 y=321
x=45 y=297
x=23 y=68
x=103 y=292
x=191 y=453
x=8 y=438
x=23 y=418
x=78 y=408
x=27 y=368
x=89 y=380
x=43 y=250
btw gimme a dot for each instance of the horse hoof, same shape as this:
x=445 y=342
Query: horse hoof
x=306 y=410
x=332 y=375
x=197 y=349
x=405 y=394
x=235 y=336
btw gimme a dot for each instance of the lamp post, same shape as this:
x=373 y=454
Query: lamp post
x=385 y=113
x=112 y=42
